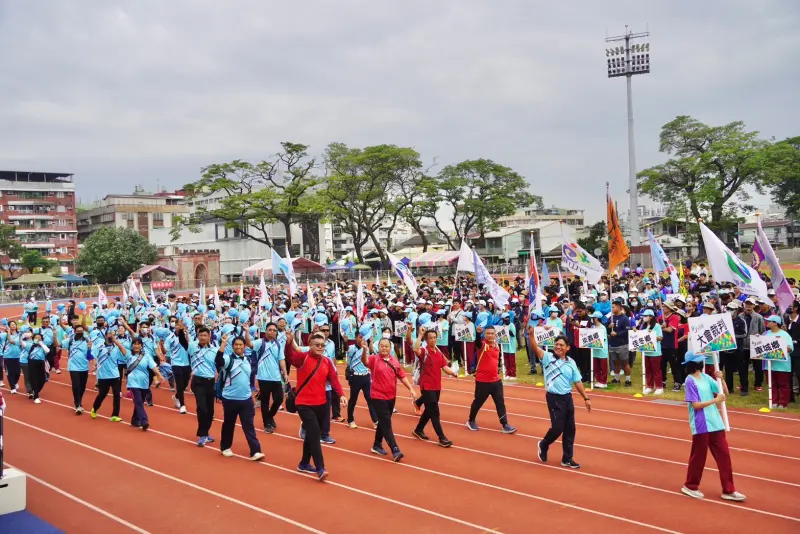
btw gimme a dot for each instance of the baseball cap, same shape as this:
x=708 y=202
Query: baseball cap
x=707 y=304
x=692 y=357
x=646 y=313
x=774 y=319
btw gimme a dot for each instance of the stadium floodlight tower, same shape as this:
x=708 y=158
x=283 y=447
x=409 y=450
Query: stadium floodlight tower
x=629 y=60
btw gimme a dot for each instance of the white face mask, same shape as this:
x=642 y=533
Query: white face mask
x=387 y=335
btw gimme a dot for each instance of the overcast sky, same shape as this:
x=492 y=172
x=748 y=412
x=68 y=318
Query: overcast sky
x=145 y=92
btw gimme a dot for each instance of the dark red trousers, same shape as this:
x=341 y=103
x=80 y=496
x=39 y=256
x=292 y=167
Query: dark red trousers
x=781 y=387
x=652 y=371
x=510 y=359
x=600 y=370
x=701 y=443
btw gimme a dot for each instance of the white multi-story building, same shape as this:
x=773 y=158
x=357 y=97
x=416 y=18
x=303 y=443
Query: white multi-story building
x=238 y=252
x=342 y=242
x=526 y=217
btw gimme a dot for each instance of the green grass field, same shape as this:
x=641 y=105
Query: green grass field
x=754 y=400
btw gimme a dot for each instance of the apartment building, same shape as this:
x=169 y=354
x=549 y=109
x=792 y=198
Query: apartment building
x=141 y=211
x=530 y=216
x=41 y=205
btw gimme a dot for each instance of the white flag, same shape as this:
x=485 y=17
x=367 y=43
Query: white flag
x=575 y=259
x=134 y=291
x=312 y=304
x=152 y=296
x=203 y=293
x=124 y=295
x=339 y=303
x=482 y=276
x=465 y=259
x=288 y=271
x=726 y=267
x=404 y=273
x=262 y=291
x=217 y=303
x=101 y=297
x=360 y=299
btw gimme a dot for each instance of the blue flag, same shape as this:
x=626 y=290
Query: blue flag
x=545 y=274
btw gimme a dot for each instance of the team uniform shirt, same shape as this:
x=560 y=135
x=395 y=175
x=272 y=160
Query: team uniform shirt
x=117 y=354
x=77 y=354
x=237 y=380
x=107 y=364
x=172 y=346
x=385 y=374
x=270 y=354
x=657 y=333
x=602 y=354
x=777 y=365
x=330 y=353
x=559 y=375
x=482 y=320
x=313 y=394
x=149 y=345
x=488 y=358
x=348 y=327
x=511 y=346
x=702 y=389
x=138 y=377
x=554 y=323
x=443 y=335
x=354 y=360
x=202 y=359
x=33 y=352
x=9 y=346
x=431 y=363
x=63 y=333
x=48 y=335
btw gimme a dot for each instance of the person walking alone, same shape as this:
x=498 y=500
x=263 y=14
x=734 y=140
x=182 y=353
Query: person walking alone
x=560 y=373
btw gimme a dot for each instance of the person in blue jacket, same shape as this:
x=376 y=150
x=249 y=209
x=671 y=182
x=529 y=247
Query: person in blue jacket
x=108 y=377
x=139 y=364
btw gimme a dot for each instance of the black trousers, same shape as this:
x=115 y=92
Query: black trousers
x=203 y=389
x=731 y=362
x=51 y=357
x=270 y=389
x=182 y=373
x=312 y=418
x=758 y=371
x=562 y=421
x=483 y=390
x=245 y=411
x=430 y=399
x=582 y=359
x=336 y=408
x=103 y=385
x=79 y=379
x=668 y=356
x=13 y=369
x=36 y=370
x=360 y=384
x=384 y=409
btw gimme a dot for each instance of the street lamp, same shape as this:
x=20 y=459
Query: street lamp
x=629 y=60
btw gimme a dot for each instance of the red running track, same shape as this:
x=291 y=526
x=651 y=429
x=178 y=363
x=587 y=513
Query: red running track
x=633 y=454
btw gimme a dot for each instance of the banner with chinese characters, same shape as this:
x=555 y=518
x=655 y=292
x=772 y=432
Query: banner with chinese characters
x=769 y=348
x=545 y=337
x=400 y=328
x=461 y=332
x=643 y=340
x=503 y=334
x=591 y=338
x=711 y=333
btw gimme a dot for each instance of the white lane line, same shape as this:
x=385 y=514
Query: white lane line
x=572 y=472
x=82 y=502
x=264 y=464
x=163 y=475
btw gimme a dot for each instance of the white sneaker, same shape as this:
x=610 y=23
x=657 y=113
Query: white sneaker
x=659 y=391
x=58 y=371
x=182 y=409
x=735 y=496
x=37 y=401
x=648 y=391
x=78 y=410
x=692 y=493
x=14 y=391
x=256 y=457
x=227 y=453
x=176 y=402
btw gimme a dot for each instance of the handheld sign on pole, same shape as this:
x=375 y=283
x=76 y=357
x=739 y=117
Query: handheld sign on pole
x=709 y=334
x=770 y=349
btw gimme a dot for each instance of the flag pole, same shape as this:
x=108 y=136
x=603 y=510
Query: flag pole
x=769 y=386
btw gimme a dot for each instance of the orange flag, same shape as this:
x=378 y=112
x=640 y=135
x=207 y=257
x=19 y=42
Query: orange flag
x=618 y=250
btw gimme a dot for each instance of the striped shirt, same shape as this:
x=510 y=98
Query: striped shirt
x=559 y=375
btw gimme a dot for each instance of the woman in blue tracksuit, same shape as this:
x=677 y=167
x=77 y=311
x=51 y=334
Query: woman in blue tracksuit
x=10 y=354
x=108 y=355
x=37 y=355
x=237 y=399
x=78 y=351
x=139 y=363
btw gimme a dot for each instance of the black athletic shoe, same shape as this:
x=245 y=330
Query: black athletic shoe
x=145 y=427
x=420 y=435
x=542 y=453
x=445 y=443
x=628 y=383
x=571 y=464
x=615 y=381
x=676 y=388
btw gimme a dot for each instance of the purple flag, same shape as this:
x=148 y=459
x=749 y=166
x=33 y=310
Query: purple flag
x=783 y=291
x=758 y=256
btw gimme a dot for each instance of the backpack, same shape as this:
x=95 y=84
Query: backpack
x=417 y=373
x=219 y=385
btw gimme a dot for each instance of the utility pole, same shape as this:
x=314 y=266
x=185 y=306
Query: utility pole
x=629 y=60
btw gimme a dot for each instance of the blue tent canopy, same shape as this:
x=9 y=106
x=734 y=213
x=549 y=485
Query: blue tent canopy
x=336 y=268
x=73 y=279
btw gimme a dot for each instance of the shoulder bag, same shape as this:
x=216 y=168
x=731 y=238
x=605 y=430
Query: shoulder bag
x=291 y=397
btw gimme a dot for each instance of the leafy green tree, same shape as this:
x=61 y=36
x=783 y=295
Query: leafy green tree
x=258 y=195
x=110 y=255
x=710 y=173
x=33 y=261
x=476 y=193
x=422 y=206
x=9 y=244
x=596 y=239
x=369 y=189
x=783 y=178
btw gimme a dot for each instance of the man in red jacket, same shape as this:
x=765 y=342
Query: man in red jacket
x=432 y=362
x=314 y=370
x=488 y=383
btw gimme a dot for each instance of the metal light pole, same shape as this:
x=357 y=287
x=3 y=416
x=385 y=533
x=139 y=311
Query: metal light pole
x=627 y=61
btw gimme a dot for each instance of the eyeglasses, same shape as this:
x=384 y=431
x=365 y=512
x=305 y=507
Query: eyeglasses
x=325 y=330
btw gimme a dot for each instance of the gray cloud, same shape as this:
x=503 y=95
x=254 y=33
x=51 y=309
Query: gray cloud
x=149 y=91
